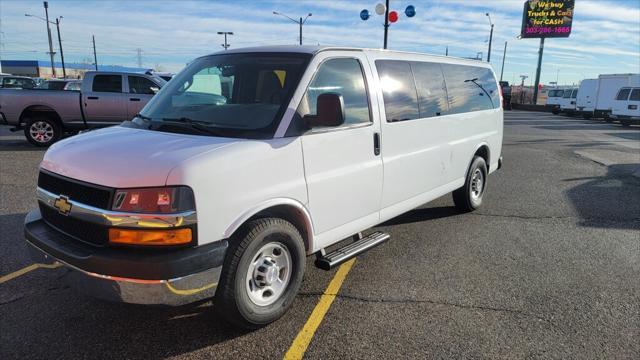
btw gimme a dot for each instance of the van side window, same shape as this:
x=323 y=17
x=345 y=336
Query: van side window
x=635 y=95
x=432 y=98
x=574 y=94
x=470 y=88
x=567 y=94
x=623 y=94
x=342 y=76
x=398 y=90
x=107 y=83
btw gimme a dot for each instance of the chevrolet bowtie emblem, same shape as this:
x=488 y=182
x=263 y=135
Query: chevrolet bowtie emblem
x=63 y=205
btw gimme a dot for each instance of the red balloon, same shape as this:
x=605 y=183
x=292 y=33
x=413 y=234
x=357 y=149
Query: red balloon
x=393 y=16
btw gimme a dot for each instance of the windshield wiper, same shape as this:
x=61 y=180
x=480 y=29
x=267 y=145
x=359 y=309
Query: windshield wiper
x=138 y=115
x=194 y=124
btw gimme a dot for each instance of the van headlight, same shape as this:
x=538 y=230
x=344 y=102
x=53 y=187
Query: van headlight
x=164 y=200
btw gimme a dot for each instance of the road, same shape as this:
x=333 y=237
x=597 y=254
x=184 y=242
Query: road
x=547 y=268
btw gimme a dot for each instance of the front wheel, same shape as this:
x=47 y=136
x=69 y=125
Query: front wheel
x=625 y=123
x=262 y=273
x=469 y=197
x=42 y=131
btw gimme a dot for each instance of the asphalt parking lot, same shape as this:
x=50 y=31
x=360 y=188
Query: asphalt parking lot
x=548 y=268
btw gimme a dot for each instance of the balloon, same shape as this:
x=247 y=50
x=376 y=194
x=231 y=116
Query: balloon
x=364 y=14
x=393 y=16
x=380 y=9
x=410 y=11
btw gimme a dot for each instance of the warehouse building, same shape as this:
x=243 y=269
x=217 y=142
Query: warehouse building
x=42 y=69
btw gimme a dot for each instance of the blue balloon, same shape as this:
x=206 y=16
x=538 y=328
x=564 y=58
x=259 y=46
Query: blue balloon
x=364 y=14
x=410 y=11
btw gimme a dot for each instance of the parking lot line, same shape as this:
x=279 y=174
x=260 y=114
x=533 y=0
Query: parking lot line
x=27 y=269
x=303 y=339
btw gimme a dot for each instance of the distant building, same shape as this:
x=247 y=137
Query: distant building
x=42 y=69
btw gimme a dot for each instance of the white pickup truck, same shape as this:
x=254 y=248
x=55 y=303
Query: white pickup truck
x=105 y=98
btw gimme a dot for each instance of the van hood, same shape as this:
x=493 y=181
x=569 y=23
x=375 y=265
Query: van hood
x=123 y=157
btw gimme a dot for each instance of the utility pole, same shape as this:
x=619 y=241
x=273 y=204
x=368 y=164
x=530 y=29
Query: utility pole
x=535 y=89
x=446 y=51
x=51 y=53
x=490 y=38
x=225 y=33
x=523 y=77
x=504 y=55
x=386 y=23
x=95 y=57
x=64 y=70
x=139 y=57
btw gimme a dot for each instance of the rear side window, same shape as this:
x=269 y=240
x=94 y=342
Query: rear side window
x=398 y=90
x=635 y=95
x=432 y=98
x=141 y=85
x=107 y=83
x=342 y=76
x=470 y=88
x=623 y=94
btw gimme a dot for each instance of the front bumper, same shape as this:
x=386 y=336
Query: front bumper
x=140 y=276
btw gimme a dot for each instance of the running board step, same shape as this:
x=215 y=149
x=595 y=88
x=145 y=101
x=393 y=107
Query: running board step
x=337 y=257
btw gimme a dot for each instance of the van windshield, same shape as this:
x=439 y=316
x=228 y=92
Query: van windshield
x=234 y=95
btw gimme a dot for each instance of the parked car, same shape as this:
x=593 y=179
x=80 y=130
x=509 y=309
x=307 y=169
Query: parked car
x=554 y=99
x=210 y=192
x=105 y=98
x=61 y=84
x=16 y=82
x=568 y=101
x=587 y=97
x=626 y=106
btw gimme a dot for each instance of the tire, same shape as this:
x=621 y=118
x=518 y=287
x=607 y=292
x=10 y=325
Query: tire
x=469 y=197
x=587 y=116
x=555 y=112
x=242 y=297
x=42 y=131
x=625 y=123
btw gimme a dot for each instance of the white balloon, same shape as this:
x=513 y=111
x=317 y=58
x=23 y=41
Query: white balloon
x=380 y=9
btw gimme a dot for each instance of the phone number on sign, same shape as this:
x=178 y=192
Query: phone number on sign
x=548 y=30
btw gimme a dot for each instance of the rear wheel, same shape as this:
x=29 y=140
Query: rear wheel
x=42 y=131
x=262 y=273
x=469 y=197
x=625 y=123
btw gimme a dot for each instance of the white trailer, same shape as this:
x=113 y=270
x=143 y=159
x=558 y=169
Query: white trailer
x=608 y=87
x=586 y=100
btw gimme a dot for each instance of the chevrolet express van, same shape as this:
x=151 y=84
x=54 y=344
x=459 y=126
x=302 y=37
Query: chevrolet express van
x=251 y=159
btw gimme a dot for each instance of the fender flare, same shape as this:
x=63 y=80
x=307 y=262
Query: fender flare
x=271 y=203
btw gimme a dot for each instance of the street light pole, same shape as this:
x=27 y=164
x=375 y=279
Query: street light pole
x=300 y=22
x=225 y=33
x=64 y=70
x=490 y=38
x=95 y=57
x=51 y=53
x=504 y=55
x=386 y=23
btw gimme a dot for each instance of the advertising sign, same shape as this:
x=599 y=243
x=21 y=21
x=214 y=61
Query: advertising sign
x=547 y=18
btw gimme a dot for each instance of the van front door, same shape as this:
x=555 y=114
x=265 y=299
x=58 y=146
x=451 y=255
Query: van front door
x=343 y=166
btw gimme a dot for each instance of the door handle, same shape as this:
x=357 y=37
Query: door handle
x=92 y=97
x=134 y=99
x=376 y=144
x=632 y=107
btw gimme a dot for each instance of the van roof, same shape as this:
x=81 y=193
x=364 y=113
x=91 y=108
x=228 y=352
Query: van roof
x=312 y=50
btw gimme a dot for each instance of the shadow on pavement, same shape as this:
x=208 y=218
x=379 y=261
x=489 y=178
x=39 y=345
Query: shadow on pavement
x=18 y=145
x=627 y=135
x=610 y=201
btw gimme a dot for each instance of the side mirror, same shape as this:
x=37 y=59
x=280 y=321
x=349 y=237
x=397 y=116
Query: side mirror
x=329 y=111
x=154 y=89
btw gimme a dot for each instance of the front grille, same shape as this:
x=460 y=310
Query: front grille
x=91 y=233
x=82 y=192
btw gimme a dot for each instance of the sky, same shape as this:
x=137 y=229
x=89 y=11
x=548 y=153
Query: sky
x=605 y=37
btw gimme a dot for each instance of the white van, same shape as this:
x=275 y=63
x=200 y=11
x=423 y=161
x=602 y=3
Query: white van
x=608 y=87
x=224 y=192
x=626 y=106
x=568 y=101
x=586 y=99
x=554 y=98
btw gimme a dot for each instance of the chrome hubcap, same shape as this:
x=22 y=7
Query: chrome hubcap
x=269 y=274
x=41 y=131
x=477 y=184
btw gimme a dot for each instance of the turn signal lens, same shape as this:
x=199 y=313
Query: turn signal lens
x=154 y=200
x=150 y=237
